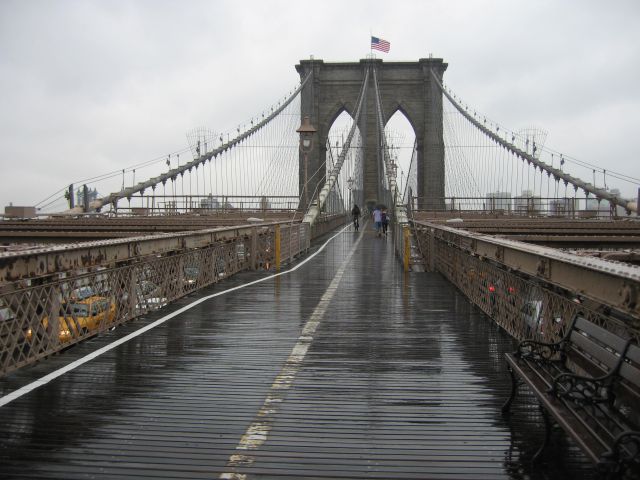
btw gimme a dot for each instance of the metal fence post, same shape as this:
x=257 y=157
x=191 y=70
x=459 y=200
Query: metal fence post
x=407 y=247
x=431 y=251
x=131 y=291
x=277 y=246
x=254 y=248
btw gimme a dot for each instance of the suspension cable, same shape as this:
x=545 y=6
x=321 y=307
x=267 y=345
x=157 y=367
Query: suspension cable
x=180 y=170
x=530 y=159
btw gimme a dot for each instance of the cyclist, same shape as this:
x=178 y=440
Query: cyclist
x=355 y=213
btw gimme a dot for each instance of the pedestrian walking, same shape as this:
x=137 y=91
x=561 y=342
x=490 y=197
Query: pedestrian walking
x=385 y=221
x=377 y=220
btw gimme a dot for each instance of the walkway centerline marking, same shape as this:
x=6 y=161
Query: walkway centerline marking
x=258 y=432
x=10 y=397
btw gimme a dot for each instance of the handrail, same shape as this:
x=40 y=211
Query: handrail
x=51 y=260
x=610 y=283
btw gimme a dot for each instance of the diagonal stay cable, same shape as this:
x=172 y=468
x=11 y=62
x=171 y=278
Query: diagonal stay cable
x=400 y=214
x=315 y=209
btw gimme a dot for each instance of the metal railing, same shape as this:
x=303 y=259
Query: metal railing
x=532 y=206
x=533 y=291
x=209 y=204
x=54 y=297
x=403 y=243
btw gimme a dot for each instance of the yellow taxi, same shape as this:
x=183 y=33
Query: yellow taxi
x=82 y=316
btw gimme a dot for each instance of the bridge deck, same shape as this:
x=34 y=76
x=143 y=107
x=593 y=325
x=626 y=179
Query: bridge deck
x=344 y=368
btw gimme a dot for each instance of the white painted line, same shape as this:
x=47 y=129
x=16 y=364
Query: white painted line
x=73 y=365
x=258 y=432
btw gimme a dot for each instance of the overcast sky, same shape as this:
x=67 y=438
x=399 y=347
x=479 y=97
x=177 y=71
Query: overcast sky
x=93 y=86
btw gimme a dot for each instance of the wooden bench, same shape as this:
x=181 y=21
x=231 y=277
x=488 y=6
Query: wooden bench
x=588 y=383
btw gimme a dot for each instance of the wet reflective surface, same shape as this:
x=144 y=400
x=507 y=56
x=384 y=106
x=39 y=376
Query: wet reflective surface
x=403 y=379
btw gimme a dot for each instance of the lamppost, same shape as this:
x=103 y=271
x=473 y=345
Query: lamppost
x=350 y=186
x=394 y=173
x=306 y=132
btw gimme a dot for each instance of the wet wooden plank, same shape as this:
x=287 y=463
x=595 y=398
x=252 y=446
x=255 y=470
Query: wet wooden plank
x=402 y=378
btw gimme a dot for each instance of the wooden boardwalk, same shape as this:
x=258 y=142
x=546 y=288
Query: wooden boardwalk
x=344 y=368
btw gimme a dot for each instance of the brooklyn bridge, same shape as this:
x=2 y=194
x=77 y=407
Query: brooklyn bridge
x=226 y=317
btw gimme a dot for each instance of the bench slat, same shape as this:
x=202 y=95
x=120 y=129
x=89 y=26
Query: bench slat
x=633 y=354
x=630 y=373
x=565 y=418
x=588 y=346
x=601 y=335
x=628 y=389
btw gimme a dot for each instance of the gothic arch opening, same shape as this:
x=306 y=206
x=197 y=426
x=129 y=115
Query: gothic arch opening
x=350 y=178
x=338 y=132
x=401 y=138
x=408 y=86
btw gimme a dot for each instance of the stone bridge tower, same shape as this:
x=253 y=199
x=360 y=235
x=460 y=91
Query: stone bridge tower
x=405 y=86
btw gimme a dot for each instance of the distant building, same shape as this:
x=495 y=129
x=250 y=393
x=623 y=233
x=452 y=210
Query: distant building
x=210 y=202
x=92 y=194
x=527 y=203
x=12 y=211
x=594 y=204
x=603 y=207
x=562 y=207
x=620 y=211
x=498 y=201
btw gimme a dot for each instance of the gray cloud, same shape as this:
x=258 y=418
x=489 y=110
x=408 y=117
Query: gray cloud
x=92 y=86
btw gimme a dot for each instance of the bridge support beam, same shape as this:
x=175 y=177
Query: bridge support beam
x=405 y=86
x=431 y=176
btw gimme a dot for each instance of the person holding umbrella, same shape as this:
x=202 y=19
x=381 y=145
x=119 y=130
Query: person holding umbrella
x=385 y=221
x=377 y=220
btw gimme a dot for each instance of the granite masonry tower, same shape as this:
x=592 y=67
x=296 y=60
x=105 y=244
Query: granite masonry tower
x=405 y=86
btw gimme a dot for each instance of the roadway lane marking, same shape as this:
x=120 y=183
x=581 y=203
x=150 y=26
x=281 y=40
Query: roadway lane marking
x=258 y=432
x=10 y=397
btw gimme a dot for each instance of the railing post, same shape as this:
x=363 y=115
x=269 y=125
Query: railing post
x=180 y=289
x=54 y=315
x=277 y=246
x=407 y=247
x=431 y=251
x=132 y=281
x=254 y=248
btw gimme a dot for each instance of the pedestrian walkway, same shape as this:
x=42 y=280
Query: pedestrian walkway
x=345 y=368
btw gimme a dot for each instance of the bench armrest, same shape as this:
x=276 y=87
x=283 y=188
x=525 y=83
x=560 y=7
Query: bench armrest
x=538 y=351
x=582 y=389
x=623 y=455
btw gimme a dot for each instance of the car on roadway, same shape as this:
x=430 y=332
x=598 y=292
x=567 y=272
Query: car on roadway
x=80 y=317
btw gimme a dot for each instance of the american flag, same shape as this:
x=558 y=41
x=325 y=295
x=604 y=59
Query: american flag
x=380 y=44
